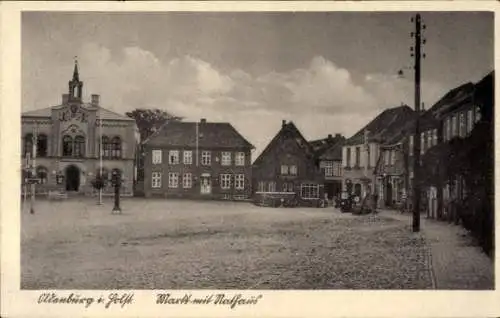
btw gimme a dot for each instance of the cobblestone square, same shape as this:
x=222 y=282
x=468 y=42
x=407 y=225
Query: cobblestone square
x=160 y=244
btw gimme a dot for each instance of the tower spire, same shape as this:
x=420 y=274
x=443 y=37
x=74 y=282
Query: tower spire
x=76 y=76
x=75 y=85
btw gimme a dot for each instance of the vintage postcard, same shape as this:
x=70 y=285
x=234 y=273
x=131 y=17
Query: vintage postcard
x=281 y=159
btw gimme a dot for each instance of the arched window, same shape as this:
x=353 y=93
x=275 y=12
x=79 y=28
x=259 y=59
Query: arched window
x=79 y=146
x=41 y=146
x=67 y=146
x=41 y=173
x=105 y=147
x=28 y=145
x=116 y=146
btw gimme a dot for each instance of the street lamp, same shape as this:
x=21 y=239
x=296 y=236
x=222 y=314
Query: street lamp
x=116 y=179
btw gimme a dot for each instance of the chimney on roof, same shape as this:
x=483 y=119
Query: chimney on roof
x=283 y=123
x=330 y=136
x=337 y=136
x=65 y=98
x=203 y=120
x=95 y=99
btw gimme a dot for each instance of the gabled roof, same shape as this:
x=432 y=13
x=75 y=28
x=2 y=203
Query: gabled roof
x=211 y=135
x=485 y=96
x=43 y=112
x=334 y=152
x=287 y=131
x=384 y=126
x=104 y=113
x=320 y=146
x=455 y=98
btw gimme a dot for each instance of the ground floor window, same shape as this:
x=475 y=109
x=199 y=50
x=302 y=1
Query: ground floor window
x=187 y=181
x=287 y=187
x=156 y=180
x=261 y=187
x=239 y=181
x=225 y=181
x=41 y=173
x=271 y=186
x=309 y=191
x=173 y=180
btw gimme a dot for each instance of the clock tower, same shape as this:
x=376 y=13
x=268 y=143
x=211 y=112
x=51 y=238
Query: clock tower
x=75 y=86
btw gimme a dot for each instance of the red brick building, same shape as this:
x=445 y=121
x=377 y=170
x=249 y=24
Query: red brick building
x=288 y=166
x=198 y=160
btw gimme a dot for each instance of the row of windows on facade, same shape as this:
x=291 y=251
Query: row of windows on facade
x=73 y=147
x=357 y=157
x=206 y=157
x=460 y=124
x=307 y=190
x=289 y=170
x=457 y=125
x=42 y=174
x=226 y=180
x=428 y=139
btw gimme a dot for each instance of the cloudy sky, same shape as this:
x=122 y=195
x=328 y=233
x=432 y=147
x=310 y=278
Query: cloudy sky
x=328 y=72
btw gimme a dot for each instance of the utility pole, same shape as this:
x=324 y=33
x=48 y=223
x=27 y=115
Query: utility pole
x=100 y=157
x=417 y=54
x=33 y=169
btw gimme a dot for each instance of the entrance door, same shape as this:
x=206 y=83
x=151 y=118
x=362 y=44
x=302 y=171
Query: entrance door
x=72 y=178
x=330 y=190
x=388 y=198
x=206 y=185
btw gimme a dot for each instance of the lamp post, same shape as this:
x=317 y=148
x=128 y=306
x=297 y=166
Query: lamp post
x=33 y=171
x=117 y=184
x=100 y=157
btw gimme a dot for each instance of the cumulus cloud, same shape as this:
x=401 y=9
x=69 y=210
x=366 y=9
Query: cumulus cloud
x=392 y=89
x=324 y=85
x=320 y=97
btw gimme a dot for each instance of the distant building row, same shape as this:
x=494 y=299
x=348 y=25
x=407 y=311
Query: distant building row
x=379 y=157
x=75 y=141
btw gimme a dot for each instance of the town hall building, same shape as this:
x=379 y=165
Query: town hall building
x=72 y=139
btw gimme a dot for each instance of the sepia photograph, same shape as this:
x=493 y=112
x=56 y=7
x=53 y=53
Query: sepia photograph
x=336 y=150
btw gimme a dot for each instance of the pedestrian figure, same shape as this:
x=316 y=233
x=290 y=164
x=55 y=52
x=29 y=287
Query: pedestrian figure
x=403 y=202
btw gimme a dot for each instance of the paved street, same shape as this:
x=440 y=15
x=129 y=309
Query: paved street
x=457 y=261
x=179 y=244
x=158 y=244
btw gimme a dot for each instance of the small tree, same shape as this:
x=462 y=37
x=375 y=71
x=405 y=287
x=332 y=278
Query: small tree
x=148 y=121
x=98 y=182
